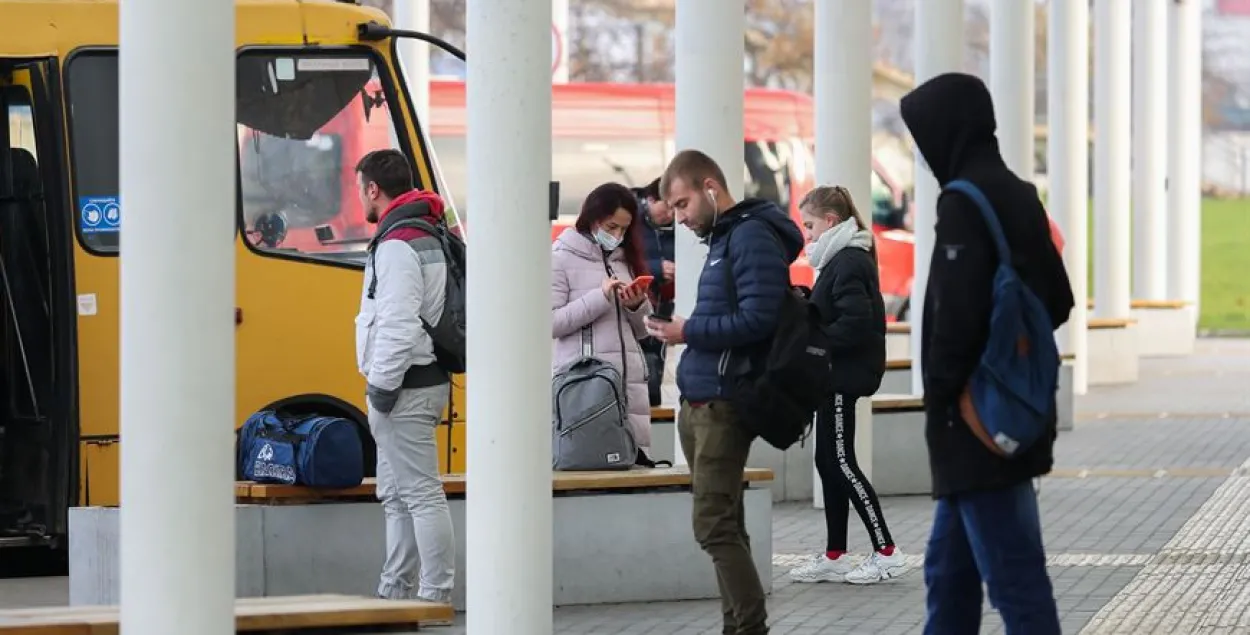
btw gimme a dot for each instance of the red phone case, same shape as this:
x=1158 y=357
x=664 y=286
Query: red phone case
x=642 y=282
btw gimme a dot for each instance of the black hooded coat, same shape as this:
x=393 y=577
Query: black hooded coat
x=951 y=119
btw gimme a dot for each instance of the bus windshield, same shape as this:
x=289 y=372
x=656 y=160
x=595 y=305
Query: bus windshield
x=304 y=120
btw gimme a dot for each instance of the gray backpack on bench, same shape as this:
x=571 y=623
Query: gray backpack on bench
x=590 y=423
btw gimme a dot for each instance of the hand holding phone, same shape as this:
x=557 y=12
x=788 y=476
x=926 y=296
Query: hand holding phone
x=642 y=282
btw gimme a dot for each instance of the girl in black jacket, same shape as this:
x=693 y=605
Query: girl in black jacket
x=847 y=292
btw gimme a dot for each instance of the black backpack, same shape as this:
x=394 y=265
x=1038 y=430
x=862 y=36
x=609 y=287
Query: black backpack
x=449 y=334
x=792 y=373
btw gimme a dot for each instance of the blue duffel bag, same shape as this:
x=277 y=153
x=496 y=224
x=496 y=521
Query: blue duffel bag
x=314 y=451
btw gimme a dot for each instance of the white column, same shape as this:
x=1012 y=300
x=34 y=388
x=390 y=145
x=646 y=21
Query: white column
x=1150 y=147
x=1185 y=153
x=1112 y=219
x=560 y=26
x=1012 y=64
x=177 y=317
x=508 y=551
x=939 y=49
x=1068 y=160
x=710 y=85
x=843 y=90
x=414 y=55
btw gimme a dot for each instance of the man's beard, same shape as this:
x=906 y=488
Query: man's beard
x=706 y=219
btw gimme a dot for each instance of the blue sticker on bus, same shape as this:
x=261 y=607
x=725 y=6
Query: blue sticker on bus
x=99 y=214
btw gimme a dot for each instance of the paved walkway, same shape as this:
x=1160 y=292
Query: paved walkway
x=1145 y=523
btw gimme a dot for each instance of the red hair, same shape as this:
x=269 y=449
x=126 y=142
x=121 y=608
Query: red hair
x=601 y=203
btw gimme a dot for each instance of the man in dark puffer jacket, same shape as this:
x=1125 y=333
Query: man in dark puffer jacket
x=721 y=341
x=986 y=526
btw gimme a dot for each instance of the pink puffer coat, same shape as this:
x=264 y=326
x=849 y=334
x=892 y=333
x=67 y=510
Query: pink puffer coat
x=577 y=302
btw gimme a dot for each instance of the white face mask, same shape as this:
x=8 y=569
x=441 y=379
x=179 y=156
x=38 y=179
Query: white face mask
x=607 y=241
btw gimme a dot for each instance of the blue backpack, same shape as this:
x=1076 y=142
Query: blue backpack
x=1011 y=395
x=313 y=451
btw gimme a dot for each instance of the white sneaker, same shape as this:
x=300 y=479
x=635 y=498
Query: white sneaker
x=878 y=568
x=821 y=569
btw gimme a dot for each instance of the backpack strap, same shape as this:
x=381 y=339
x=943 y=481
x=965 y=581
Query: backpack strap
x=987 y=212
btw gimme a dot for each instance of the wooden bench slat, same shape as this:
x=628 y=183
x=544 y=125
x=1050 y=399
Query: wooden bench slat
x=898 y=327
x=1110 y=323
x=455 y=484
x=251 y=614
x=663 y=413
x=903 y=364
x=894 y=403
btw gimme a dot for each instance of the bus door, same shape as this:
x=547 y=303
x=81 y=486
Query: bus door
x=37 y=430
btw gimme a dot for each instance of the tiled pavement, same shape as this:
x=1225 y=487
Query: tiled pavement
x=1145 y=522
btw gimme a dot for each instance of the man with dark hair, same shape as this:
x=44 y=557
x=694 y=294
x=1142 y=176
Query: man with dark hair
x=986 y=527
x=404 y=289
x=659 y=250
x=740 y=294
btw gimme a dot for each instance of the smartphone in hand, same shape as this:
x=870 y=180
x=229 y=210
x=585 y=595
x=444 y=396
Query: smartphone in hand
x=642 y=283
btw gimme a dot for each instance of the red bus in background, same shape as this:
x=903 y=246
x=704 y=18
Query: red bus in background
x=625 y=133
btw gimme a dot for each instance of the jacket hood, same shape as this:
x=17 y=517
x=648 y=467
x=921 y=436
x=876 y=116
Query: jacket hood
x=432 y=200
x=951 y=118
x=767 y=211
x=582 y=246
x=412 y=204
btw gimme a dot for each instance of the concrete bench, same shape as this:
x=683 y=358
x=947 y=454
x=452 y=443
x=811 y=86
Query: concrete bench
x=633 y=526
x=900 y=458
x=897 y=381
x=898 y=340
x=1165 y=328
x=312 y=613
x=1113 y=351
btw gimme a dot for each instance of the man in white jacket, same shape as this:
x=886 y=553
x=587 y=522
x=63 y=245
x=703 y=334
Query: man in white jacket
x=404 y=288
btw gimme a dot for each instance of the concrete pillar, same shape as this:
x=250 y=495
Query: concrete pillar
x=414 y=55
x=843 y=91
x=508 y=518
x=1068 y=166
x=1112 y=220
x=560 y=41
x=710 y=85
x=1150 y=148
x=939 y=49
x=1185 y=153
x=1012 y=64
x=177 y=317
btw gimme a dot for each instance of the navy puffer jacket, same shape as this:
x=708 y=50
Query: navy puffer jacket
x=721 y=338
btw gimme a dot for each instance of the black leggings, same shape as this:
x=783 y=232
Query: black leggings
x=842 y=481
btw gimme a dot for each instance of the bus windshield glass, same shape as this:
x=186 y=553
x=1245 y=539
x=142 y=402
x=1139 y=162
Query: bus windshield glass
x=304 y=121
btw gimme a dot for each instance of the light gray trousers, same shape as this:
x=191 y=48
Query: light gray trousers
x=420 y=542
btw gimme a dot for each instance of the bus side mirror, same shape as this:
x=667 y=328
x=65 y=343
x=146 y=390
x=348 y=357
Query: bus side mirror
x=272 y=229
x=553 y=205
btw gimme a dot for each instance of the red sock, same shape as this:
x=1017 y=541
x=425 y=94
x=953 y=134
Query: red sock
x=888 y=550
x=834 y=555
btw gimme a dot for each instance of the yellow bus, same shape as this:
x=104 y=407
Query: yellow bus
x=315 y=92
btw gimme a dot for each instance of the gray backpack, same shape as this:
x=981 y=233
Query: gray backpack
x=590 y=422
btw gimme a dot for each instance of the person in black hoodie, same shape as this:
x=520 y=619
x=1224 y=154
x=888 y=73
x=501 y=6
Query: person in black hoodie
x=848 y=294
x=986 y=525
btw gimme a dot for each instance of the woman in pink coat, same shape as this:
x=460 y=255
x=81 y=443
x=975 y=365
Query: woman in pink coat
x=592 y=264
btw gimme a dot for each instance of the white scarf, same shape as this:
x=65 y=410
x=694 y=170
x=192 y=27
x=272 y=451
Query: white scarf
x=844 y=234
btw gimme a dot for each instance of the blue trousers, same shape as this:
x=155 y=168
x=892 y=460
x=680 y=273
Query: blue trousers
x=994 y=537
